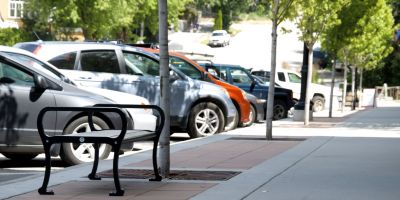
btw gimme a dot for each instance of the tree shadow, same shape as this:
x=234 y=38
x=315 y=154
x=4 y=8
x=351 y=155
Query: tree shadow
x=9 y=118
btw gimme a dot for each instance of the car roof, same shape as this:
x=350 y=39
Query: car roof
x=226 y=65
x=51 y=49
x=27 y=53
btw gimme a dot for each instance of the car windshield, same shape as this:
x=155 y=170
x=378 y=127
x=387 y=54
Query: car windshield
x=34 y=63
x=217 y=34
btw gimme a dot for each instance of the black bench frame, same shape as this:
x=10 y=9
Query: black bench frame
x=111 y=137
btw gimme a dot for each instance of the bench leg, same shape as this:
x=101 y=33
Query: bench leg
x=43 y=190
x=118 y=190
x=155 y=166
x=92 y=175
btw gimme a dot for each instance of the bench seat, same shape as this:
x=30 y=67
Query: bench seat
x=113 y=137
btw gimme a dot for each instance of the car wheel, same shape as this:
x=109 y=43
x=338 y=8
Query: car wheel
x=20 y=156
x=205 y=119
x=253 y=116
x=73 y=153
x=318 y=103
x=280 y=111
x=233 y=124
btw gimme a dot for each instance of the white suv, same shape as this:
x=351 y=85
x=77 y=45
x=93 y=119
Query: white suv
x=219 y=38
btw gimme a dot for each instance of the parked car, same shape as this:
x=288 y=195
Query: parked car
x=197 y=107
x=219 y=38
x=258 y=108
x=27 y=85
x=195 y=71
x=289 y=79
x=241 y=77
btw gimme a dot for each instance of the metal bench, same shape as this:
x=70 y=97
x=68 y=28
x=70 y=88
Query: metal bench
x=111 y=137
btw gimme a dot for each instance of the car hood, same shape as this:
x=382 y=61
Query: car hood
x=119 y=98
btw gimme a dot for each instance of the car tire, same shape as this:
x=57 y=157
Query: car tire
x=280 y=110
x=253 y=116
x=73 y=153
x=233 y=124
x=205 y=119
x=318 y=103
x=20 y=156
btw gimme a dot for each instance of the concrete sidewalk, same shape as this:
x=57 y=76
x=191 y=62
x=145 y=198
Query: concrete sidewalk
x=351 y=156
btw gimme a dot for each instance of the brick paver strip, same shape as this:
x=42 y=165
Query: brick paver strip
x=227 y=154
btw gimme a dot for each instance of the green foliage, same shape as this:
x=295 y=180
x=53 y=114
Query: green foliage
x=286 y=10
x=10 y=36
x=363 y=35
x=231 y=9
x=386 y=72
x=218 y=21
x=315 y=17
x=98 y=19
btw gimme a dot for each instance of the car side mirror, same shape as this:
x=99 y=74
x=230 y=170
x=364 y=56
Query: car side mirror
x=207 y=66
x=252 y=86
x=41 y=82
x=173 y=76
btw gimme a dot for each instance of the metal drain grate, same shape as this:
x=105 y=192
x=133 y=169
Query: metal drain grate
x=174 y=174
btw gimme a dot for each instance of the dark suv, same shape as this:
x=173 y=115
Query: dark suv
x=239 y=76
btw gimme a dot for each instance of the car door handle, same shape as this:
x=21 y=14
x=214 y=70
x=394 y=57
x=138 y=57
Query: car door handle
x=87 y=77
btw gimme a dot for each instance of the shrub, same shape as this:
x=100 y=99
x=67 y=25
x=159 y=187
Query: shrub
x=10 y=36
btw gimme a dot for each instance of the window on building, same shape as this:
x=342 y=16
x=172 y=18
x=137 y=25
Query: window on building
x=16 y=8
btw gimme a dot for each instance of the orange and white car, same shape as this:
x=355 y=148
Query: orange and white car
x=195 y=71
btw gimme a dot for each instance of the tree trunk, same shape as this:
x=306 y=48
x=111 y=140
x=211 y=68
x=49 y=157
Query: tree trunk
x=361 y=88
x=309 y=77
x=271 y=89
x=141 y=30
x=344 y=84
x=165 y=90
x=353 y=86
x=332 y=87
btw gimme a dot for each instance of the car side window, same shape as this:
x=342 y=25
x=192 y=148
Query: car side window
x=281 y=76
x=294 y=78
x=240 y=76
x=64 y=61
x=99 y=61
x=15 y=76
x=136 y=63
x=185 y=67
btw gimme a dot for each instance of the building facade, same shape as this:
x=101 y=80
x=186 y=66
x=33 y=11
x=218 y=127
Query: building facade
x=11 y=12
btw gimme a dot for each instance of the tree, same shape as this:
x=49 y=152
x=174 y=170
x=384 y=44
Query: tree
x=315 y=17
x=218 y=21
x=281 y=11
x=363 y=37
x=10 y=36
x=98 y=19
x=165 y=89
